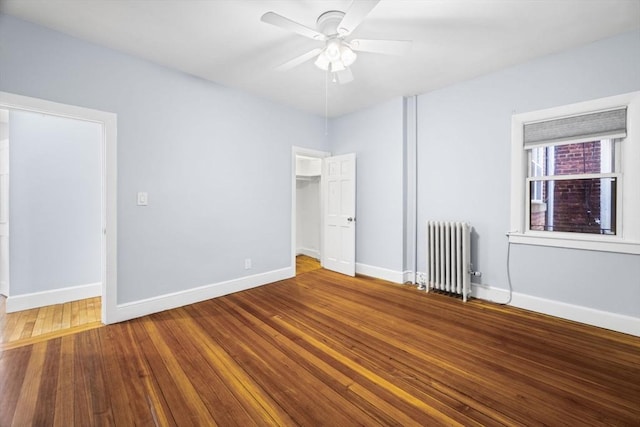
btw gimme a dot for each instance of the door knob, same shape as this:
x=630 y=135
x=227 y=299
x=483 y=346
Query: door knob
x=351 y=219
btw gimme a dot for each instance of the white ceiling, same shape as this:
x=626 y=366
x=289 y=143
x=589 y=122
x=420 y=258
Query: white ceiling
x=224 y=40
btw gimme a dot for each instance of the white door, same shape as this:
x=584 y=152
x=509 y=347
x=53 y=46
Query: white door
x=339 y=180
x=4 y=202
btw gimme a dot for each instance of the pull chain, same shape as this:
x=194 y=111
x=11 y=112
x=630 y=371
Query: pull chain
x=326 y=103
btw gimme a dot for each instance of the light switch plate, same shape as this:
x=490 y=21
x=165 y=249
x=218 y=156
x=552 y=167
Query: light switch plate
x=143 y=199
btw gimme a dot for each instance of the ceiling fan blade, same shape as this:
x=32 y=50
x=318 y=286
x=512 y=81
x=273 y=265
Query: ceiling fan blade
x=358 y=10
x=387 y=47
x=299 y=60
x=344 y=76
x=286 y=23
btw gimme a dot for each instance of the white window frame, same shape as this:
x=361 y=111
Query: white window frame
x=535 y=164
x=627 y=238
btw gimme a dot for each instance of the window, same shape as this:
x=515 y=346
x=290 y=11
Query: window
x=572 y=187
x=576 y=176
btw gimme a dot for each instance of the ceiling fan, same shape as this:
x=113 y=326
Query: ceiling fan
x=333 y=29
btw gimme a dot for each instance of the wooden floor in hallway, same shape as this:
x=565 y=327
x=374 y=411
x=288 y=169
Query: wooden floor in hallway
x=40 y=324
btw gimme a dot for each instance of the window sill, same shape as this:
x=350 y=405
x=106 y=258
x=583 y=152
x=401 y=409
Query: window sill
x=566 y=240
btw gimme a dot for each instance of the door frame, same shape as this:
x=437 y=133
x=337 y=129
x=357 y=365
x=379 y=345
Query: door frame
x=4 y=204
x=307 y=152
x=108 y=160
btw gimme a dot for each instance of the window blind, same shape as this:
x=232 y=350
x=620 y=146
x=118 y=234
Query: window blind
x=582 y=128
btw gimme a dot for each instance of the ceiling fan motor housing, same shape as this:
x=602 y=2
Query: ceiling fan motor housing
x=328 y=22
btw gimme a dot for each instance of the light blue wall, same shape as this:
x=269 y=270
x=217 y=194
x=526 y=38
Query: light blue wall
x=464 y=171
x=376 y=136
x=216 y=162
x=55 y=202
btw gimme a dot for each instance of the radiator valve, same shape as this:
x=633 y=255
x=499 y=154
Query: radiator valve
x=475 y=273
x=421 y=280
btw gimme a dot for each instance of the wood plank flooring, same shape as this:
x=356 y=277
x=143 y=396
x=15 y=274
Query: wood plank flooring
x=305 y=264
x=325 y=349
x=39 y=324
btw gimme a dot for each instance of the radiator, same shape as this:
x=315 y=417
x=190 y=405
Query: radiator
x=448 y=257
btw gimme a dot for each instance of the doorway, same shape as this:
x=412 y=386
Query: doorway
x=34 y=293
x=330 y=234
x=306 y=232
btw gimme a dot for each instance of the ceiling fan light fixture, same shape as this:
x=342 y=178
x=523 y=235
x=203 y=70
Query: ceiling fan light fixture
x=333 y=50
x=347 y=56
x=322 y=62
x=336 y=56
x=337 y=66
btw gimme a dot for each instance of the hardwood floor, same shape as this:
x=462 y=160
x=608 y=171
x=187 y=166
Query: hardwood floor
x=305 y=264
x=40 y=324
x=325 y=349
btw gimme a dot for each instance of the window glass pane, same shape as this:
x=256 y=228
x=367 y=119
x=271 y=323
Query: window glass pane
x=575 y=205
x=570 y=159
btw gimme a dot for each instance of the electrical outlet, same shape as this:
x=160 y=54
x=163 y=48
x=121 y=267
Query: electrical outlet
x=247 y=264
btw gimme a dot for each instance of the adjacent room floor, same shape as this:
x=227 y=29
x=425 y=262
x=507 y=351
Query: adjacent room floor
x=305 y=264
x=40 y=324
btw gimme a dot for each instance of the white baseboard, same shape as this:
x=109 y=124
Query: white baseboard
x=144 y=307
x=308 y=252
x=488 y=293
x=380 y=273
x=55 y=296
x=602 y=319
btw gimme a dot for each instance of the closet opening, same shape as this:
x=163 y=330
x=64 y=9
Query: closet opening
x=307 y=210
